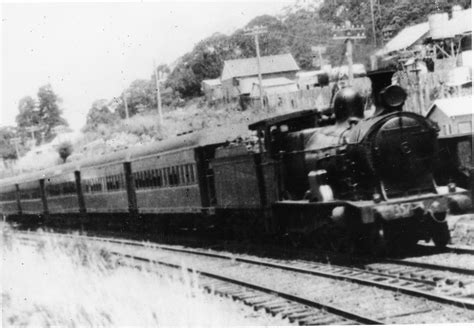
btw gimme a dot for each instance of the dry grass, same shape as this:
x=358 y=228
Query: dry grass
x=74 y=284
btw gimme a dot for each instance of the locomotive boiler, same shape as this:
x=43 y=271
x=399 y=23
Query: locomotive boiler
x=371 y=175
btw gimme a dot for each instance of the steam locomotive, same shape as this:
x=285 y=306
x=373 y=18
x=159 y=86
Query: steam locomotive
x=331 y=177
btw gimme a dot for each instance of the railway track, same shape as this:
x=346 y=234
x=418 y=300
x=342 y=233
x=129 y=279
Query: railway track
x=418 y=282
x=424 y=280
x=295 y=309
x=453 y=249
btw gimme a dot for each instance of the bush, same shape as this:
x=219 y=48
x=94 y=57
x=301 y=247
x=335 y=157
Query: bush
x=64 y=150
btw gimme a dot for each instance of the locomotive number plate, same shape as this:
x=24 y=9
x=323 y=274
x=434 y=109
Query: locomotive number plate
x=405 y=209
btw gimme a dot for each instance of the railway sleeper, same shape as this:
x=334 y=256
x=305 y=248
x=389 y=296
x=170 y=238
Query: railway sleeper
x=267 y=305
x=302 y=315
x=293 y=311
x=228 y=290
x=258 y=299
x=250 y=298
x=275 y=309
x=325 y=320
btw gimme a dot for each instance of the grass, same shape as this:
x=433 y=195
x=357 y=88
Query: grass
x=59 y=283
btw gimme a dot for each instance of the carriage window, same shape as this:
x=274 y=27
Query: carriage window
x=113 y=182
x=192 y=173
x=186 y=174
x=69 y=188
x=181 y=175
x=158 y=179
x=32 y=193
x=8 y=196
x=96 y=185
x=173 y=176
x=149 y=178
x=165 y=176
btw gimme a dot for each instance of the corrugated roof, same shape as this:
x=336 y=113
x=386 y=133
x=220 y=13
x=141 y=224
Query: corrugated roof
x=460 y=23
x=405 y=38
x=452 y=107
x=248 y=66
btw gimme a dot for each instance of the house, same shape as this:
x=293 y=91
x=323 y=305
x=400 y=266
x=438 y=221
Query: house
x=279 y=92
x=454 y=116
x=311 y=79
x=212 y=89
x=239 y=75
x=444 y=42
x=278 y=85
x=406 y=39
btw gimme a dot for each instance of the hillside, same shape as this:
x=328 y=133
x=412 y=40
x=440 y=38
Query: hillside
x=143 y=128
x=295 y=30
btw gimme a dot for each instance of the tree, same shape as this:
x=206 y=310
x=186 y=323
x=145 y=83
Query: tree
x=29 y=115
x=49 y=111
x=64 y=150
x=99 y=113
x=140 y=95
x=7 y=149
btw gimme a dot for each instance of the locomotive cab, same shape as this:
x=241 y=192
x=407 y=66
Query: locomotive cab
x=271 y=131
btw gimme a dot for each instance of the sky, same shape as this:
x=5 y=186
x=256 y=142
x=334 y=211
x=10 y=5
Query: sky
x=90 y=51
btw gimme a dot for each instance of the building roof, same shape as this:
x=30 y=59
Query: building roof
x=308 y=74
x=405 y=38
x=453 y=107
x=248 y=66
x=213 y=82
x=460 y=23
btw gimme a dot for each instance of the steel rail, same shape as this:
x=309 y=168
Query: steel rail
x=466 y=304
x=318 y=305
x=429 y=266
x=452 y=249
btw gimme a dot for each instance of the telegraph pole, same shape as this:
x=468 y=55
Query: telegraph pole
x=318 y=50
x=126 y=105
x=32 y=129
x=158 y=94
x=373 y=21
x=349 y=32
x=256 y=31
x=16 y=141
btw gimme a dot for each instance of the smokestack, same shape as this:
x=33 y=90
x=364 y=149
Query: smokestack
x=380 y=80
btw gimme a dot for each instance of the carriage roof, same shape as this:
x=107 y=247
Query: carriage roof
x=192 y=140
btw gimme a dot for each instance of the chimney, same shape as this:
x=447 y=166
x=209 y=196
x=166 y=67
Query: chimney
x=380 y=80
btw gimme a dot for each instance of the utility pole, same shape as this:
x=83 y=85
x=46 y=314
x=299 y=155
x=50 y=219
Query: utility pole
x=126 y=105
x=256 y=31
x=318 y=51
x=16 y=141
x=349 y=32
x=373 y=21
x=32 y=129
x=158 y=94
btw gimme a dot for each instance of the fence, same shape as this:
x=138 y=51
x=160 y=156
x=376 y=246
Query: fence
x=422 y=90
x=317 y=98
